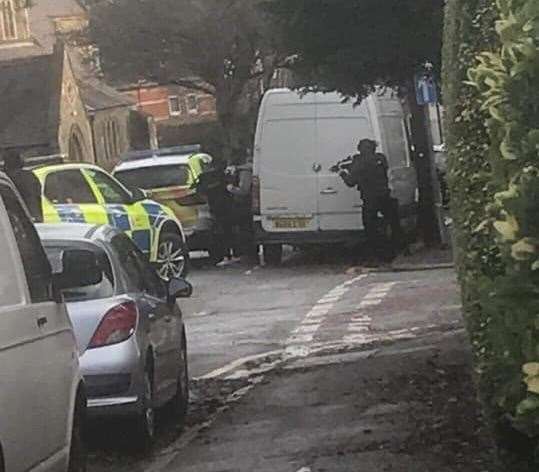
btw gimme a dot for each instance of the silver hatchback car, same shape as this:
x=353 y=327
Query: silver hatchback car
x=129 y=328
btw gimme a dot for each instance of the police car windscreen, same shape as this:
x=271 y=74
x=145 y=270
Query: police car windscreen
x=148 y=178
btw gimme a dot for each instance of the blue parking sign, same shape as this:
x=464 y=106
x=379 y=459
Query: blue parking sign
x=425 y=88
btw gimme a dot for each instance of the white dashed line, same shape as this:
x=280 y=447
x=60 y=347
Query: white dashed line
x=305 y=332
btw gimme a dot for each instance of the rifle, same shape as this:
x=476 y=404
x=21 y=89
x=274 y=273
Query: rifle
x=342 y=165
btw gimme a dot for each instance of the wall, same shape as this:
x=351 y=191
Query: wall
x=73 y=118
x=155 y=101
x=111 y=135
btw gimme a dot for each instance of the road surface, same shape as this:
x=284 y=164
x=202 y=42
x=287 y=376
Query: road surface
x=278 y=357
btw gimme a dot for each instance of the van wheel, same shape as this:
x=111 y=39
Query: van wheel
x=273 y=254
x=77 y=452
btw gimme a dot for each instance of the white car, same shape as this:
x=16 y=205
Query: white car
x=42 y=396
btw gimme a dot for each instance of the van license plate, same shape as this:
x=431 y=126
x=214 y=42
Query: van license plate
x=291 y=223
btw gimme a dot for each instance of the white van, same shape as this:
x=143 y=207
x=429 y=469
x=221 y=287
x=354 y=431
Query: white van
x=297 y=200
x=42 y=399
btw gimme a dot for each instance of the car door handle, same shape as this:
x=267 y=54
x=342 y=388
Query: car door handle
x=329 y=191
x=42 y=321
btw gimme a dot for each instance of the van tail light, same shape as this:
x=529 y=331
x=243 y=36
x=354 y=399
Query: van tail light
x=117 y=326
x=256 y=195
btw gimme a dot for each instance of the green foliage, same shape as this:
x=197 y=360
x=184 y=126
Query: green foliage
x=496 y=196
x=469 y=29
x=507 y=80
x=354 y=45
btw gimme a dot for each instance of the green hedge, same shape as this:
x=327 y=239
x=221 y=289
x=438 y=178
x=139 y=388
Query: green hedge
x=491 y=89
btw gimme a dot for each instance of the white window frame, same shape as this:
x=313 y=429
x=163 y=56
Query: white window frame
x=172 y=112
x=192 y=111
x=8 y=5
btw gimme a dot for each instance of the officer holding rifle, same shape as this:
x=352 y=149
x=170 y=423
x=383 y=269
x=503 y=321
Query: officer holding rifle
x=368 y=172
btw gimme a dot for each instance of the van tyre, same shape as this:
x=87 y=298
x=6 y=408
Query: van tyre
x=145 y=422
x=273 y=254
x=172 y=257
x=78 y=452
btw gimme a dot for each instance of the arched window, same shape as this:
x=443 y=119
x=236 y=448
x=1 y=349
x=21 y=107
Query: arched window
x=13 y=20
x=112 y=140
x=76 y=145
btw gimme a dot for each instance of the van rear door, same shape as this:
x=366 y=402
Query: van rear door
x=339 y=126
x=285 y=156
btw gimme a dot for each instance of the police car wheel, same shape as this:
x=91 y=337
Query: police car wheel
x=172 y=257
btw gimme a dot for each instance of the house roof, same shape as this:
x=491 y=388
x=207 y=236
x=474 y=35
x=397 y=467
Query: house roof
x=41 y=17
x=98 y=96
x=27 y=90
x=95 y=94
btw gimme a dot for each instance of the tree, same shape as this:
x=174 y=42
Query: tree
x=216 y=46
x=354 y=46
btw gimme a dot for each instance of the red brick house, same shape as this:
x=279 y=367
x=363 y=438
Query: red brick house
x=181 y=115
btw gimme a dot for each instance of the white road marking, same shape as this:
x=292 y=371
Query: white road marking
x=305 y=332
x=366 y=303
x=360 y=325
x=375 y=295
x=237 y=363
x=358 y=328
x=307 y=329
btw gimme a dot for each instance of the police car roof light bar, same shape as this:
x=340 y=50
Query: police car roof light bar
x=170 y=151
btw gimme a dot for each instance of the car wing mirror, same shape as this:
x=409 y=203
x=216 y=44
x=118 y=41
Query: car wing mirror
x=80 y=268
x=179 y=288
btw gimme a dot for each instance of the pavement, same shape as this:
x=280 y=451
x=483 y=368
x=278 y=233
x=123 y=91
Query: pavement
x=410 y=407
x=311 y=367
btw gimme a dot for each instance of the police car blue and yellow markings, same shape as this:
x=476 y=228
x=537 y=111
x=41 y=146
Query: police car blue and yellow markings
x=70 y=213
x=141 y=222
x=143 y=239
x=156 y=213
x=118 y=217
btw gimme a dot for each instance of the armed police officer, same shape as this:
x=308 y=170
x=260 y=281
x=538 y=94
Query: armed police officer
x=368 y=171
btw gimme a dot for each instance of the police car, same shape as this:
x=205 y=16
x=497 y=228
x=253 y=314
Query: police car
x=170 y=175
x=84 y=193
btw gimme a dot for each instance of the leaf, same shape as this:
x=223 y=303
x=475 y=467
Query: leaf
x=528 y=405
x=533 y=384
x=523 y=249
x=531 y=369
x=506 y=150
x=508 y=229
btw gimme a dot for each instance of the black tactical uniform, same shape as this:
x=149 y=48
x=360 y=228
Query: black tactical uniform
x=369 y=173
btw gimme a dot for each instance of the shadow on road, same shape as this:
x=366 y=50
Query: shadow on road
x=111 y=444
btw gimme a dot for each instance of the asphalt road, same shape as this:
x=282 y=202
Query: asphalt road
x=246 y=323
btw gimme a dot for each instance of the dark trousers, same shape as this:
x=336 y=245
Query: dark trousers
x=377 y=241
x=245 y=245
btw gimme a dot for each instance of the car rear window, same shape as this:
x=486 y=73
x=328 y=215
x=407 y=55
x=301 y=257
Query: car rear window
x=104 y=289
x=155 y=177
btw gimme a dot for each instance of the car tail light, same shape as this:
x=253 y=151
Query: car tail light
x=256 y=195
x=117 y=325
